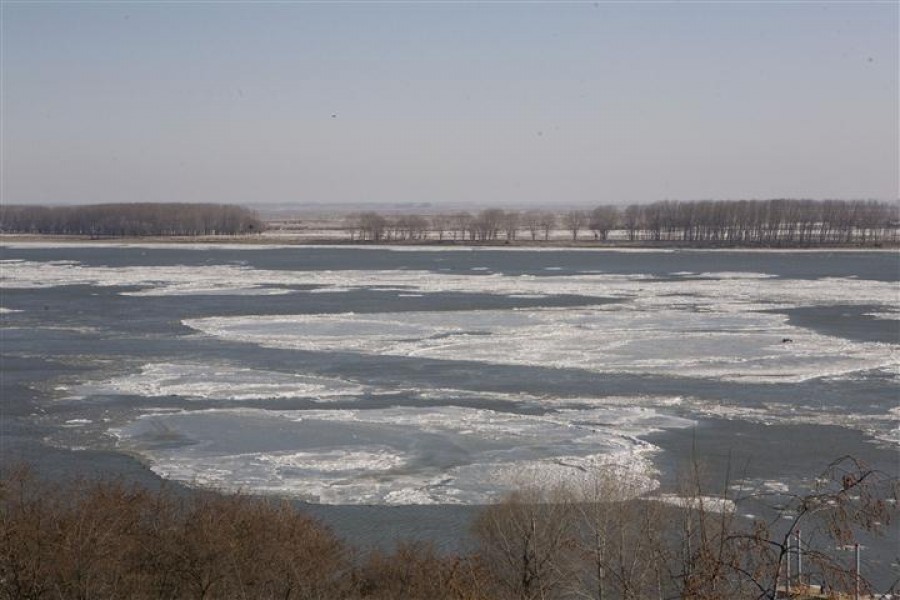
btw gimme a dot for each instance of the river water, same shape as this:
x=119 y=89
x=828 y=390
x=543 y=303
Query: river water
x=397 y=388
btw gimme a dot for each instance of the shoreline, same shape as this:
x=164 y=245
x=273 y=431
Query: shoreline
x=260 y=241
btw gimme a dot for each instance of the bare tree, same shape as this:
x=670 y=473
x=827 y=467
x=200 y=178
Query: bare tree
x=602 y=220
x=532 y=222
x=511 y=219
x=575 y=221
x=372 y=226
x=632 y=220
x=619 y=535
x=488 y=223
x=547 y=223
x=717 y=556
x=462 y=224
x=527 y=545
x=353 y=225
x=440 y=224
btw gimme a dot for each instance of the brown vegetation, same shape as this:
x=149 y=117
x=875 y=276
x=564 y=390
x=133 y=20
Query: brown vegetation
x=597 y=541
x=108 y=540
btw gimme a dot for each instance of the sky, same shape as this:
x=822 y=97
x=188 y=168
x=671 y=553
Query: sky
x=481 y=103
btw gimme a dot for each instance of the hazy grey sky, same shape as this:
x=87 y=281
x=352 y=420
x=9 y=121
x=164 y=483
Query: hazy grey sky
x=503 y=103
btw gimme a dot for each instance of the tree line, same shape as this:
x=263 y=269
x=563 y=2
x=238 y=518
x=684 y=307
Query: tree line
x=121 y=220
x=769 y=222
x=709 y=222
x=488 y=225
x=781 y=222
x=593 y=540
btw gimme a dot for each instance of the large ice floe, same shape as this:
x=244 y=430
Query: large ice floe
x=725 y=344
x=430 y=451
x=401 y=455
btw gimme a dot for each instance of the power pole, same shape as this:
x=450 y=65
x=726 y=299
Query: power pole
x=787 y=572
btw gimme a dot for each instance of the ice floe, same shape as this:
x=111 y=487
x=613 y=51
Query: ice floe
x=712 y=325
x=394 y=455
x=711 y=291
x=220 y=382
x=726 y=345
x=712 y=504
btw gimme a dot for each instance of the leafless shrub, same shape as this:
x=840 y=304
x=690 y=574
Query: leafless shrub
x=105 y=540
x=415 y=571
x=604 y=538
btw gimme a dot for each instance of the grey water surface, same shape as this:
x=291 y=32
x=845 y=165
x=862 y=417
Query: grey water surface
x=59 y=341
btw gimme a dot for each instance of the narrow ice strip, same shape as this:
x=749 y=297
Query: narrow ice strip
x=732 y=275
x=36 y=275
x=883 y=427
x=712 y=504
x=223 y=289
x=629 y=421
x=885 y=315
x=451 y=394
x=224 y=381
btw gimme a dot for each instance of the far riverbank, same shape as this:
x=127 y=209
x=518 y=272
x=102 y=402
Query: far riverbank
x=340 y=239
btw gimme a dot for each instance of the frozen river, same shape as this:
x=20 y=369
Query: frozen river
x=381 y=376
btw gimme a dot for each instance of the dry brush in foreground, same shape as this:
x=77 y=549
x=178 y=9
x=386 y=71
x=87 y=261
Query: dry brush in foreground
x=88 y=540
